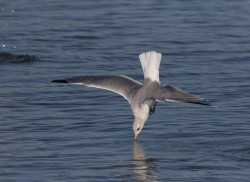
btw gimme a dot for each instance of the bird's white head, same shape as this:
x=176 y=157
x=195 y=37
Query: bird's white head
x=138 y=125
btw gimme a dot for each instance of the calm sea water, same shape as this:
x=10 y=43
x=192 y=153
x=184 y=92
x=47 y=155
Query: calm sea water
x=56 y=132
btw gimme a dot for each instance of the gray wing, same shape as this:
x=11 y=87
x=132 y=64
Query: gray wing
x=121 y=84
x=171 y=93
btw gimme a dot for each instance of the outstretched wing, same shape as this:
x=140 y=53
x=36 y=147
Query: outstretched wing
x=120 y=84
x=171 y=93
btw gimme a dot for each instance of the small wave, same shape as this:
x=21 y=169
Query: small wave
x=12 y=58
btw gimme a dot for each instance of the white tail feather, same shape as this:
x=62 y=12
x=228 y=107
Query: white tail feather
x=150 y=62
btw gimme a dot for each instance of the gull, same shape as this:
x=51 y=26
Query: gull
x=141 y=97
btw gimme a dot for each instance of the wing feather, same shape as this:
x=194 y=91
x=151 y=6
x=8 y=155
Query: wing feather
x=171 y=93
x=120 y=84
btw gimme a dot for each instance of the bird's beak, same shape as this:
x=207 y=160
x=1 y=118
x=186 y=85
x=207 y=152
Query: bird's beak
x=135 y=137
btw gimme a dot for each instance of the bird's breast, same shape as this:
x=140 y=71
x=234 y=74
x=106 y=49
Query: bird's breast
x=140 y=110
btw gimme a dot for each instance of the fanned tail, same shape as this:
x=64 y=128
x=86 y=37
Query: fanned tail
x=150 y=62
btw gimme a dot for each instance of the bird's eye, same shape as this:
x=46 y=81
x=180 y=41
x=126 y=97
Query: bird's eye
x=138 y=129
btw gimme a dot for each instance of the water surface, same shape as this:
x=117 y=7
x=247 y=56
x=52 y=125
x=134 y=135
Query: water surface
x=57 y=132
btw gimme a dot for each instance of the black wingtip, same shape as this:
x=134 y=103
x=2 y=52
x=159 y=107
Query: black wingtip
x=205 y=103
x=60 y=81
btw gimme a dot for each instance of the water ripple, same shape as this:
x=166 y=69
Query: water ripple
x=6 y=57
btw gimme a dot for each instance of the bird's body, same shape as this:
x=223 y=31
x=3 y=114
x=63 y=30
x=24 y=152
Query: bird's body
x=140 y=96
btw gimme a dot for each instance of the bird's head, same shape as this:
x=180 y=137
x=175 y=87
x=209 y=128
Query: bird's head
x=138 y=125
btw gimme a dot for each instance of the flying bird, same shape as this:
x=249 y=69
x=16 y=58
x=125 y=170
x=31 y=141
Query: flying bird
x=141 y=97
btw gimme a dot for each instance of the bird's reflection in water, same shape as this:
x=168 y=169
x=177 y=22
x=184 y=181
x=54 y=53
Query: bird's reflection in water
x=144 y=168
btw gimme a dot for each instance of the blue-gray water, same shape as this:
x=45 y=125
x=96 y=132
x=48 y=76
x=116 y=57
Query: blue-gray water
x=57 y=132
